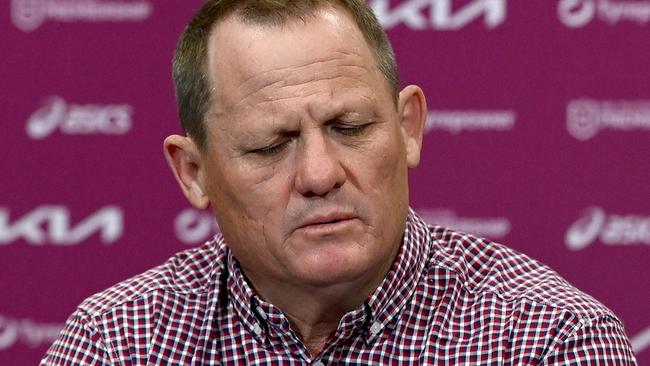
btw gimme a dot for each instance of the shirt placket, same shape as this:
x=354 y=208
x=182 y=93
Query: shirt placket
x=281 y=339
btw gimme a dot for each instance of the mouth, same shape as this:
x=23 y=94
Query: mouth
x=327 y=224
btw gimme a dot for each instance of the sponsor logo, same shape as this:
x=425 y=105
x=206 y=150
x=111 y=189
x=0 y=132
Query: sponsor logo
x=441 y=14
x=493 y=228
x=194 y=226
x=641 y=341
x=76 y=119
x=585 y=117
x=50 y=224
x=455 y=121
x=579 y=13
x=27 y=332
x=596 y=224
x=29 y=15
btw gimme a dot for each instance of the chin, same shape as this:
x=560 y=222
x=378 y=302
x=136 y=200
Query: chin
x=332 y=267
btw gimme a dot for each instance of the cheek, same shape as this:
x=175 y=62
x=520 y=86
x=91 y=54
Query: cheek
x=384 y=175
x=386 y=168
x=248 y=195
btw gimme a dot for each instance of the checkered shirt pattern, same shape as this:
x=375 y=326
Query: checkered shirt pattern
x=449 y=299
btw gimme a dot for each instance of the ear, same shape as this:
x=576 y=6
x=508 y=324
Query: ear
x=184 y=159
x=412 y=109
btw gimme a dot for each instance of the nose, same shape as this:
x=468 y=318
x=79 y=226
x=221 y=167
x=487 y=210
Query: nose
x=318 y=166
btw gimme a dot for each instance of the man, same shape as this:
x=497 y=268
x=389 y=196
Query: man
x=300 y=142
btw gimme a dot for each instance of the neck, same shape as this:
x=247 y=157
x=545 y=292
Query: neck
x=314 y=311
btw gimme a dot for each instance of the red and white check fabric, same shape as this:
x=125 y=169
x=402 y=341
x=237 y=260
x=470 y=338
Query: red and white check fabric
x=449 y=299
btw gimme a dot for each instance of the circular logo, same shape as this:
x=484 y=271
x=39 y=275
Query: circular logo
x=195 y=226
x=583 y=119
x=28 y=15
x=576 y=13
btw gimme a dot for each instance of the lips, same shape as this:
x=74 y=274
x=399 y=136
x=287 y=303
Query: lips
x=322 y=223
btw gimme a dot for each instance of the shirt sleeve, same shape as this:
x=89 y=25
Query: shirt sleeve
x=599 y=341
x=78 y=344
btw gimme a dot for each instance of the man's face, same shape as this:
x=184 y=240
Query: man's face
x=306 y=165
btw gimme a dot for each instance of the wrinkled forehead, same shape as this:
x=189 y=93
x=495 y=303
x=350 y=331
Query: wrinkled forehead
x=245 y=57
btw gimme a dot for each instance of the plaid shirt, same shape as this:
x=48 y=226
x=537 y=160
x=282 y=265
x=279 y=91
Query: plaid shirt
x=449 y=299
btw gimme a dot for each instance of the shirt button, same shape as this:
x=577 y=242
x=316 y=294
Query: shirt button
x=261 y=313
x=375 y=328
x=318 y=363
x=257 y=329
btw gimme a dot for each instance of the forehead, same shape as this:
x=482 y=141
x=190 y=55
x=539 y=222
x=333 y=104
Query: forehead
x=246 y=61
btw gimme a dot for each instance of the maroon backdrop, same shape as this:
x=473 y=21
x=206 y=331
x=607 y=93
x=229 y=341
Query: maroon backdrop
x=538 y=137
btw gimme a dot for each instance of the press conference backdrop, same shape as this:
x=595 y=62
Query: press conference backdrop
x=538 y=136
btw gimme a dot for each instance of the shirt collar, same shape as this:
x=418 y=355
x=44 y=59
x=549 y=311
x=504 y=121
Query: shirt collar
x=374 y=314
x=400 y=282
x=242 y=297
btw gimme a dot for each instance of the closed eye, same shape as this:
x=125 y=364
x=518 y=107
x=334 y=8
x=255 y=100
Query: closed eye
x=271 y=150
x=351 y=130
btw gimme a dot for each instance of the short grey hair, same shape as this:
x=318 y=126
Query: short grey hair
x=190 y=74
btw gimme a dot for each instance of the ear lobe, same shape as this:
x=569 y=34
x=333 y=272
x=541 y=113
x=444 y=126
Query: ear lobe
x=184 y=160
x=412 y=109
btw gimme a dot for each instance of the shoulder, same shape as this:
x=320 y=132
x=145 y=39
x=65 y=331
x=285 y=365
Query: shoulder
x=188 y=273
x=122 y=322
x=487 y=268
x=479 y=286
